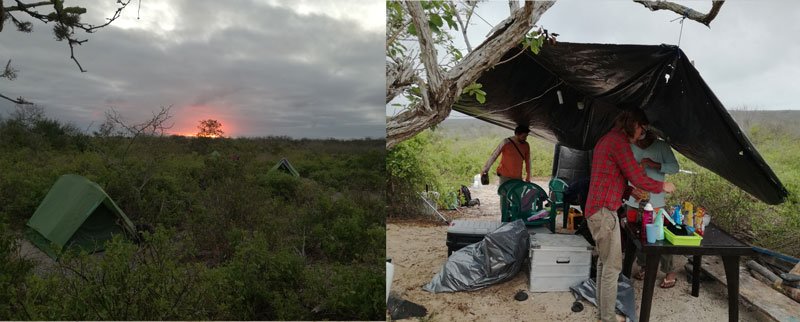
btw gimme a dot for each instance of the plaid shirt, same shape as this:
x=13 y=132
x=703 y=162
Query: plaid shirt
x=612 y=166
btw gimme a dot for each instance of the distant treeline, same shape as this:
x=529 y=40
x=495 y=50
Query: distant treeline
x=233 y=241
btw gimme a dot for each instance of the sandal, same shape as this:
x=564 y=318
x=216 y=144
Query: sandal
x=668 y=283
x=639 y=275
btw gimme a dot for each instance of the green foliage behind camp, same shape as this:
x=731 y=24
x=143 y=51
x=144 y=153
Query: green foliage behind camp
x=448 y=157
x=232 y=240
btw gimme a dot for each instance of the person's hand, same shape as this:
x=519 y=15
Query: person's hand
x=639 y=194
x=669 y=187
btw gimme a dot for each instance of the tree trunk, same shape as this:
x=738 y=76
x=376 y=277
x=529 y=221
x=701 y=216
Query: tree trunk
x=444 y=88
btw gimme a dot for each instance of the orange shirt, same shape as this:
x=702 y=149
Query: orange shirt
x=511 y=161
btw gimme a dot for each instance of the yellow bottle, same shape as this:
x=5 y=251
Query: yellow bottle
x=689 y=217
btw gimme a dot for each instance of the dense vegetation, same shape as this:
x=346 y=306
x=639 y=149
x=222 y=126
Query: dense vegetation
x=232 y=240
x=453 y=153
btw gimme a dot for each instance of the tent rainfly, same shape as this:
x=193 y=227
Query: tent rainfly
x=285 y=166
x=570 y=93
x=76 y=214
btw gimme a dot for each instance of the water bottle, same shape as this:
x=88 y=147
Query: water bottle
x=676 y=216
x=647 y=218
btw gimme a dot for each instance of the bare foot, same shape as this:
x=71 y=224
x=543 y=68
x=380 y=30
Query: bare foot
x=639 y=274
x=669 y=280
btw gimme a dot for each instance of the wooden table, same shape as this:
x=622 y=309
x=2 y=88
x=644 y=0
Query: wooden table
x=715 y=242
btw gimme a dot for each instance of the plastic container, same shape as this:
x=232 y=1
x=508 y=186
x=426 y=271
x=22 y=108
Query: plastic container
x=652 y=233
x=461 y=232
x=389 y=276
x=558 y=261
x=693 y=240
x=659 y=221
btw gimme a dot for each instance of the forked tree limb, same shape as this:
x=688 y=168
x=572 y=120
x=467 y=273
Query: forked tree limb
x=689 y=13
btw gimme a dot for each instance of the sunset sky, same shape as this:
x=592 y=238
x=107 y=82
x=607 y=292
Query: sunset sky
x=283 y=68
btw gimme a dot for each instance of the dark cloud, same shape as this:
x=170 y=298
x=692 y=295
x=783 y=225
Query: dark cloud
x=264 y=70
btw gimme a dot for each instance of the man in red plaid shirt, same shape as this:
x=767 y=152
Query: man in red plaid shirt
x=613 y=165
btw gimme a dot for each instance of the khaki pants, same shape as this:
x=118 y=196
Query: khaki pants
x=604 y=226
x=503 y=180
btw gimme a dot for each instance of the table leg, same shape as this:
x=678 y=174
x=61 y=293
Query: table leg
x=630 y=255
x=697 y=260
x=650 y=272
x=731 y=264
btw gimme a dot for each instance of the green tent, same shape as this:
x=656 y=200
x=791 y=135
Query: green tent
x=285 y=166
x=76 y=214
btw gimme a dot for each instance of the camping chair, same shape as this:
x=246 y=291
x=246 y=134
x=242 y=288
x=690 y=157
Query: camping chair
x=523 y=200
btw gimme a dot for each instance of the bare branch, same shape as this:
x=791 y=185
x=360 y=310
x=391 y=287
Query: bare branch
x=464 y=25
x=72 y=52
x=426 y=44
x=685 y=11
x=22 y=6
x=399 y=76
x=19 y=100
x=9 y=73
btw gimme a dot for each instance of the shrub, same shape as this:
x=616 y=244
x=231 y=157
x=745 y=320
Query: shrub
x=127 y=282
x=13 y=272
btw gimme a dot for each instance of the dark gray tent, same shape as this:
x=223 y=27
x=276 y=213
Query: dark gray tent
x=570 y=93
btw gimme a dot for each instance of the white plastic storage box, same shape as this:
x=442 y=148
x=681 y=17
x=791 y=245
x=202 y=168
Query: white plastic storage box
x=558 y=261
x=461 y=233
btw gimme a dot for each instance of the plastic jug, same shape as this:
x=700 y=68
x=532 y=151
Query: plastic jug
x=659 y=221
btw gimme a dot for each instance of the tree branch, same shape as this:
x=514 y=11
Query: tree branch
x=19 y=100
x=416 y=118
x=399 y=76
x=463 y=26
x=427 y=47
x=685 y=11
x=66 y=22
x=23 y=6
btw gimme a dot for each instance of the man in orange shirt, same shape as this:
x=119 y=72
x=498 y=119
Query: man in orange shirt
x=515 y=150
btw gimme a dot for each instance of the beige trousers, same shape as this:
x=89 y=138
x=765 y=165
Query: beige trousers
x=604 y=226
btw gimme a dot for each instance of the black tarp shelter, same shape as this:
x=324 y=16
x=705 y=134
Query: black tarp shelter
x=570 y=93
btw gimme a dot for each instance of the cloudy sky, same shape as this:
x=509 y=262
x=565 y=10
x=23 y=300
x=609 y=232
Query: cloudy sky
x=299 y=68
x=749 y=57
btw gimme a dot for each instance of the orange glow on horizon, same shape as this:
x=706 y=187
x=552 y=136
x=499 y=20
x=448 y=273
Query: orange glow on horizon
x=187 y=118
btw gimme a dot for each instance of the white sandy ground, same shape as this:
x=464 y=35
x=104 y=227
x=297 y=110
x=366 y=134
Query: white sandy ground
x=418 y=251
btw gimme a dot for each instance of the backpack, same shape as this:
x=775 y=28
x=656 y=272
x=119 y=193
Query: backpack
x=468 y=201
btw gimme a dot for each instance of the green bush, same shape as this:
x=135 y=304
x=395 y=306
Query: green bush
x=13 y=271
x=265 y=283
x=129 y=282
